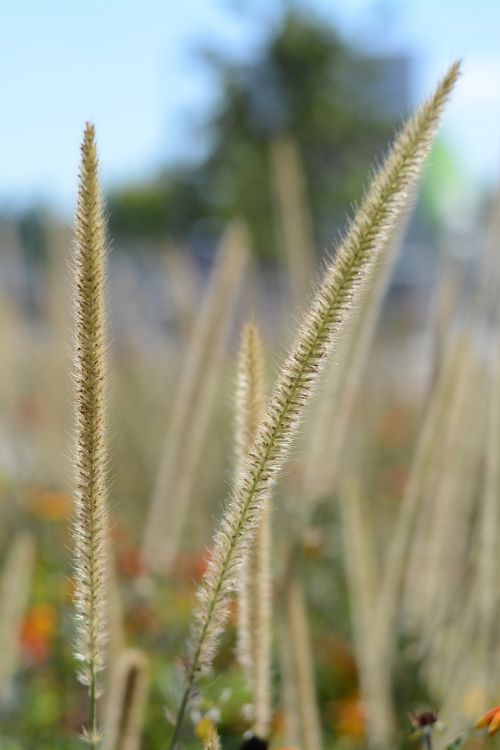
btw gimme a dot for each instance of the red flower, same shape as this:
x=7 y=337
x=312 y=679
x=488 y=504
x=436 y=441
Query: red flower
x=131 y=562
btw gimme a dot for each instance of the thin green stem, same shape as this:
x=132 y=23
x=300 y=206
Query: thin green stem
x=93 y=710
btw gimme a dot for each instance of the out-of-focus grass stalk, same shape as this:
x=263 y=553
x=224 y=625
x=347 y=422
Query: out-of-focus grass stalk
x=289 y=695
x=254 y=592
x=52 y=361
x=15 y=587
x=393 y=574
x=124 y=718
x=193 y=401
x=307 y=718
x=294 y=218
x=462 y=485
x=14 y=341
x=447 y=634
x=384 y=204
x=117 y=638
x=489 y=529
x=90 y=543
x=383 y=637
x=441 y=396
x=447 y=294
x=454 y=450
x=359 y=554
x=342 y=381
x=184 y=285
x=488 y=275
x=455 y=678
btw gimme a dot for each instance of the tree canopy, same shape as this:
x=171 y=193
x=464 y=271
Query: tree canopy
x=305 y=81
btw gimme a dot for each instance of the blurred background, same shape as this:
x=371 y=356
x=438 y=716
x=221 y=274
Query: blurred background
x=210 y=111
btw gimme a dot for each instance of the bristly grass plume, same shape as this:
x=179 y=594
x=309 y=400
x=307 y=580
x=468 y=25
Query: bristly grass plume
x=386 y=200
x=89 y=359
x=254 y=592
x=193 y=404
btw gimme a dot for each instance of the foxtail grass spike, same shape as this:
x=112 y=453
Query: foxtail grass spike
x=384 y=203
x=254 y=592
x=90 y=449
x=343 y=378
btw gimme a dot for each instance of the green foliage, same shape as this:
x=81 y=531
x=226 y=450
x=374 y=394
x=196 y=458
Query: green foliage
x=305 y=80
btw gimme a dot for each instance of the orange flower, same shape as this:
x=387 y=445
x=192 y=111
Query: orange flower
x=37 y=632
x=51 y=506
x=491 y=719
x=351 y=720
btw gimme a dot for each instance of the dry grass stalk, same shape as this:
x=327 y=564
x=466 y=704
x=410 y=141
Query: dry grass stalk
x=384 y=204
x=15 y=587
x=458 y=554
x=427 y=479
x=396 y=560
x=359 y=555
x=90 y=443
x=53 y=361
x=254 y=592
x=127 y=700
x=442 y=534
x=445 y=304
x=489 y=528
x=289 y=695
x=456 y=682
x=184 y=285
x=307 y=718
x=117 y=638
x=294 y=216
x=193 y=402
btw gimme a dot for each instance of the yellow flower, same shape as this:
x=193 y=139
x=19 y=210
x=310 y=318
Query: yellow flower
x=204 y=729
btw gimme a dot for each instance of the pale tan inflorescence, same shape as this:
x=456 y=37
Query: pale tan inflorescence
x=254 y=592
x=193 y=404
x=90 y=450
x=390 y=190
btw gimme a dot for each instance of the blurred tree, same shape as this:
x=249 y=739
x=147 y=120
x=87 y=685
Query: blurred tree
x=339 y=105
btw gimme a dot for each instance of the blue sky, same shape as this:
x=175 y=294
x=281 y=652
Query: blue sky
x=130 y=66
